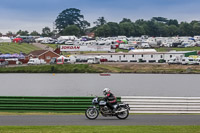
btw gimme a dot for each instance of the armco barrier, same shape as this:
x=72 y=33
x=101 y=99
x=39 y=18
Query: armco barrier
x=45 y=104
x=143 y=104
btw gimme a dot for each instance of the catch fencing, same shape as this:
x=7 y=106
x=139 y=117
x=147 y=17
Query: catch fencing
x=45 y=104
x=143 y=104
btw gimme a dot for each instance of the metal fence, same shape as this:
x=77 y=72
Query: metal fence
x=45 y=104
x=143 y=104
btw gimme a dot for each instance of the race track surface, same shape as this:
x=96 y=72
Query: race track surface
x=33 y=120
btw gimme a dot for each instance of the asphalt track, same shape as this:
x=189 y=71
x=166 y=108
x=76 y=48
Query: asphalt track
x=39 y=120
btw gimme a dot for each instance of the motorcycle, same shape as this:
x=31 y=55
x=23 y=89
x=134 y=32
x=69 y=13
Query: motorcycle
x=121 y=110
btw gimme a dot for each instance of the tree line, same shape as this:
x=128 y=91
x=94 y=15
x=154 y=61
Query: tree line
x=72 y=22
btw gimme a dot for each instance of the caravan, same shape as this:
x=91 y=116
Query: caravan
x=94 y=60
x=189 y=61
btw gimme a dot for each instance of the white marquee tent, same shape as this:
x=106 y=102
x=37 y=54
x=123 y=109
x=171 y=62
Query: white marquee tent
x=5 y=39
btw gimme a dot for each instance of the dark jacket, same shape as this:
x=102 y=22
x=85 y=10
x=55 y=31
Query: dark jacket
x=110 y=98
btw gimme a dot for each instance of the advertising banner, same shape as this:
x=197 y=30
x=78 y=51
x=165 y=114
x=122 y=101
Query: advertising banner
x=70 y=48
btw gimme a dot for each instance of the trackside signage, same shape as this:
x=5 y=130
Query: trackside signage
x=84 y=48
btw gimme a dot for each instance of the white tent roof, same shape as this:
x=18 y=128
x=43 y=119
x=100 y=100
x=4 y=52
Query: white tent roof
x=67 y=38
x=5 y=39
x=62 y=57
x=142 y=50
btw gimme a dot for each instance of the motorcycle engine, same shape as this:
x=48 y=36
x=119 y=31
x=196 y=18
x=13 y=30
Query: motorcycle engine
x=105 y=108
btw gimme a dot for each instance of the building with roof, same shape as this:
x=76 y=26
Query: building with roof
x=46 y=55
x=148 y=57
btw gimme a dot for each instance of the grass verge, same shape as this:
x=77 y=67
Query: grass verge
x=56 y=113
x=68 y=68
x=106 y=68
x=100 y=129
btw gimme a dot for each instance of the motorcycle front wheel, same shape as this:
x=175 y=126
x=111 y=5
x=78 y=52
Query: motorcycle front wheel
x=123 y=114
x=92 y=113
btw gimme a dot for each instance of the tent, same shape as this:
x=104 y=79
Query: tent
x=7 y=56
x=67 y=38
x=125 y=41
x=119 y=41
x=5 y=39
x=61 y=59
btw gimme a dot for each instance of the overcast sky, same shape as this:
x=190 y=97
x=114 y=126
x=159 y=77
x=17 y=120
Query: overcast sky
x=36 y=14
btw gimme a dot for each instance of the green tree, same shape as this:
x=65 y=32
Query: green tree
x=114 y=28
x=34 y=33
x=68 y=17
x=162 y=29
x=103 y=31
x=125 y=20
x=46 y=32
x=1 y=34
x=84 y=26
x=173 y=30
x=153 y=28
x=71 y=30
x=160 y=19
x=9 y=34
x=127 y=29
x=195 y=27
x=173 y=22
x=100 y=21
x=23 y=33
x=185 y=29
x=139 y=30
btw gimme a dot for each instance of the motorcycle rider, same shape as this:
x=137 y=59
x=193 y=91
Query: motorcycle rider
x=110 y=99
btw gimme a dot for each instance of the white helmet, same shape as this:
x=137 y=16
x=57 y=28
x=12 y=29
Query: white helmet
x=106 y=91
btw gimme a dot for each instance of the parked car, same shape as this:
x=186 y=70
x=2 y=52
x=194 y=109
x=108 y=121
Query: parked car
x=3 y=63
x=53 y=60
x=36 y=61
x=18 y=40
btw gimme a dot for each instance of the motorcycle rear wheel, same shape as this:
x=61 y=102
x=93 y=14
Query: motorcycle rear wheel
x=122 y=115
x=92 y=113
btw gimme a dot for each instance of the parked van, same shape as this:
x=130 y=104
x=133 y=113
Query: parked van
x=36 y=61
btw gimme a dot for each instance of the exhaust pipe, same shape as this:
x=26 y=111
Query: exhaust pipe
x=121 y=111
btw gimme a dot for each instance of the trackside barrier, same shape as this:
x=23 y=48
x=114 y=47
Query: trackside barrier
x=45 y=104
x=141 y=104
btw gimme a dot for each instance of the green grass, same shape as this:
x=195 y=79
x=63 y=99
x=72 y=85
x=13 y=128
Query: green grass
x=17 y=48
x=2 y=113
x=103 y=68
x=99 y=129
x=68 y=68
x=178 y=49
